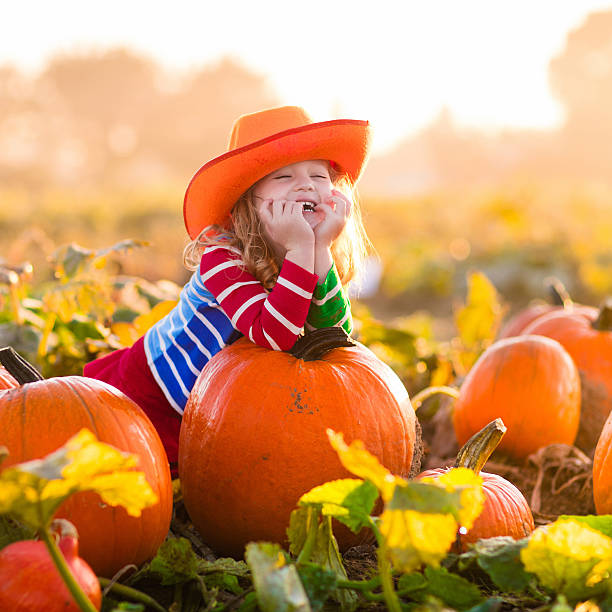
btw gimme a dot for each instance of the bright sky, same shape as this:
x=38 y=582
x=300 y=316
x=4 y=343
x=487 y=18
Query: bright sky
x=396 y=63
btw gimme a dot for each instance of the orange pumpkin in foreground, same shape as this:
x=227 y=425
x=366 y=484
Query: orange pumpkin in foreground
x=253 y=435
x=602 y=470
x=586 y=334
x=38 y=417
x=505 y=511
x=532 y=384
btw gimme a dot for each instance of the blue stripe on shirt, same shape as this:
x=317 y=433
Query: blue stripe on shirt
x=180 y=344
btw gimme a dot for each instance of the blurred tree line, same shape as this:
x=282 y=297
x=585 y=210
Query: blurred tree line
x=115 y=118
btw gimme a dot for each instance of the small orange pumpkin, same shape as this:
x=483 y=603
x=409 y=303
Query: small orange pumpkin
x=253 y=435
x=32 y=583
x=560 y=301
x=505 y=511
x=586 y=335
x=38 y=417
x=532 y=384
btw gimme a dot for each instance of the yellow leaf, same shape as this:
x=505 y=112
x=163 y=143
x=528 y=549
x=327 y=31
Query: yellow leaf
x=127 y=489
x=356 y=459
x=472 y=496
x=145 y=321
x=99 y=262
x=32 y=491
x=569 y=557
x=126 y=333
x=87 y=458
x=478 y=321
x=415 y=538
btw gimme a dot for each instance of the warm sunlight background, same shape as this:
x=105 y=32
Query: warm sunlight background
x=492 y=122
x=397 y=63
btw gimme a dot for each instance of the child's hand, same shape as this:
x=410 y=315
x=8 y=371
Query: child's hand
x=285 y=225
x=336 y=209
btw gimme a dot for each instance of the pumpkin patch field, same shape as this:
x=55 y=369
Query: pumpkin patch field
x=452 y=454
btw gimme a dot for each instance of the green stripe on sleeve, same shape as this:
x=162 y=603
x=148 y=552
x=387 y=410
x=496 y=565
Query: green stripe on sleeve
x=330 y=305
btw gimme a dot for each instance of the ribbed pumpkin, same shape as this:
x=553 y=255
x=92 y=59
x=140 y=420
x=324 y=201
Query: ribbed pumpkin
x=532 y=384
x=602 y=470
x=253 y=435
x=38 y=417
x=505 y=511
x=587 y=336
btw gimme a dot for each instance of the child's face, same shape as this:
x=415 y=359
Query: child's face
x=305 y=181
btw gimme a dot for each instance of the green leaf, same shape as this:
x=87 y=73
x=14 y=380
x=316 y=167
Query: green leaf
x=298 y=529
x=277 y=583
x=226 y=565
x=69 y=259
x=454 y=590
x=561 y=605
x=423 y=497
x=126 y=606
x=500 y=558
x=326 y=554
x=602 y=523
x=490 y=605
x=411 y=583
x=318 y=582
x=224 y=582
x=350 y=501
x=175 y=562
x=83 y=329
x=13 y=531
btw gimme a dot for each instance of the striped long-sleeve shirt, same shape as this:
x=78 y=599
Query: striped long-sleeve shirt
x=221 y=302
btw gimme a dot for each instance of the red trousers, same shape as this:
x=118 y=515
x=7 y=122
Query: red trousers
x=127 y=370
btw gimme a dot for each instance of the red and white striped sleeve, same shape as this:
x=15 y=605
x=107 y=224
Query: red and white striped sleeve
x=273 y=320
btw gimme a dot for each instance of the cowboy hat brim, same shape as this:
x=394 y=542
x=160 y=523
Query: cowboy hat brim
x=218 y=184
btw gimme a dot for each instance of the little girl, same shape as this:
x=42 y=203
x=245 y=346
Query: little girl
x=275 y=237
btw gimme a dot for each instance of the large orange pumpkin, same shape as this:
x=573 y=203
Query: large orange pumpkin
x=253 y=435
x=532 y=384
x=602 y=470
x=38 y=417
x=587 y=336
x=505 y=511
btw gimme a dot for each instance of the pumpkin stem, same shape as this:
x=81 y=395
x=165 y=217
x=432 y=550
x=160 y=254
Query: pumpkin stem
x=477 y=450
x=18 y=367
x=428 y=392
x=317 y=343
x=559 y=295
x=603 y=322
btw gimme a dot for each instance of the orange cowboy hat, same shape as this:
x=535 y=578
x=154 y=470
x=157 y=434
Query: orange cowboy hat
x=261 y=143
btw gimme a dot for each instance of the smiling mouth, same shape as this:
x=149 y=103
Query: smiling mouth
x=307 y=206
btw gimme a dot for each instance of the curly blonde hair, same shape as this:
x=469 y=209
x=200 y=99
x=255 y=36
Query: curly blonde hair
x=244 y=232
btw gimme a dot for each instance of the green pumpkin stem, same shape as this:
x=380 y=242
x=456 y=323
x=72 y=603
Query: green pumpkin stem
x=477 y=450
x=317 y=343
x=22 y=371
x=559 y=295
x=603 y=322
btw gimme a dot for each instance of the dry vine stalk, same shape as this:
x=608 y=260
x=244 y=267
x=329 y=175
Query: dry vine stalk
x=569 y=466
